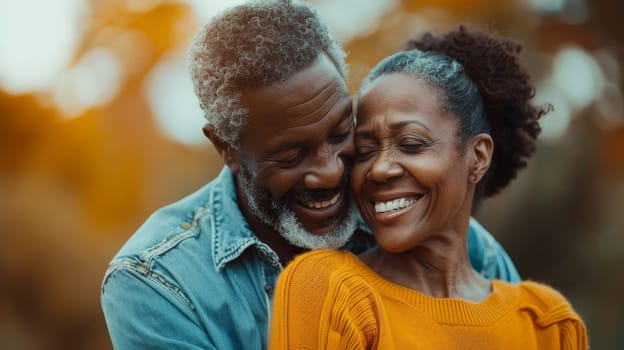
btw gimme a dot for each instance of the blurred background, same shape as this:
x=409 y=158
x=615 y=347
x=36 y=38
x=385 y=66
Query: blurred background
x=99 y=127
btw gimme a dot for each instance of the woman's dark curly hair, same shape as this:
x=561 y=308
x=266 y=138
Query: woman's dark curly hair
x=482 y=83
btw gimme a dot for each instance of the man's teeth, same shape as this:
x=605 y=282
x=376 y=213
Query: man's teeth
x=323 y=204
x=382 y=207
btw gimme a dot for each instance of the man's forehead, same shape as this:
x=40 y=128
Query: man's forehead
x=305 y=92
x=322 y=69
x=288 y=136
x=308 y=106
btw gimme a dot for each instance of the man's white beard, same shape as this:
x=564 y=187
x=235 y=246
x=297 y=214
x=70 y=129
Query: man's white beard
x=285 y=222
x=291 y=229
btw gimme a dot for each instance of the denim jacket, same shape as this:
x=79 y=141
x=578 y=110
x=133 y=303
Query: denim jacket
x=194 y=276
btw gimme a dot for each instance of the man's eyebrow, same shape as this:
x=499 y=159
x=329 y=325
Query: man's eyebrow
x=285 y=147
x=300 y=144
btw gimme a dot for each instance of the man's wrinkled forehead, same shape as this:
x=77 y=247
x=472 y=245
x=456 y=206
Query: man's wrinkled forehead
x=256 y=79
x=308 y=106
x=295 y=90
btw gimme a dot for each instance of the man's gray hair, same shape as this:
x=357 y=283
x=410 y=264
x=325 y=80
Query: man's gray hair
x=254 y=45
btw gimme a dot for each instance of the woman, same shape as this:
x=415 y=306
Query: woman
x=440 y=126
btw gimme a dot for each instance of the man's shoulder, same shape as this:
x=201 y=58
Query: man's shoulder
x=487 y=256
x=172 y=251
x=168 y=273
x=195 y=235
x=167 y=226
x=181 y=220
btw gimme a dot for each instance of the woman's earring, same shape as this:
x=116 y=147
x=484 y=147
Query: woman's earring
x=473 y=178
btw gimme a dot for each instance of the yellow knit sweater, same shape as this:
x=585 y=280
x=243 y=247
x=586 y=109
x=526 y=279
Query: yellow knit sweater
x=331 y=300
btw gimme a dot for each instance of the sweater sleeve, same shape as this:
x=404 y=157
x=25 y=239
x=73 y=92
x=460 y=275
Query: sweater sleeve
x=573 y=335
x=313 y=307
x=552 y=312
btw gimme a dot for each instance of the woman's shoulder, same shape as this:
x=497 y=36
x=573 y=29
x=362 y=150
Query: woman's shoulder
x=546 y=303
x=549 y=308
x=542 y=294
x=313 y=277
x=320 y=260
x=320 y=269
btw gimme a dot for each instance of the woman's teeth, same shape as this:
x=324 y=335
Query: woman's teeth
x=383 y=207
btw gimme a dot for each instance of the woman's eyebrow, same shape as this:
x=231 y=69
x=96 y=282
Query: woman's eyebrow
x=402 y=124
x=367 y=134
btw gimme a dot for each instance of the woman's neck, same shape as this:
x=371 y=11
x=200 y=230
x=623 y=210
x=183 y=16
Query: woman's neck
x=439 y=267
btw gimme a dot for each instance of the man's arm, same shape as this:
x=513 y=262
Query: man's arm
x=143 y=311
x=488 y=257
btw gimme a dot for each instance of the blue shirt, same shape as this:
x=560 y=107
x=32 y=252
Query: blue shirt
x=194 y=276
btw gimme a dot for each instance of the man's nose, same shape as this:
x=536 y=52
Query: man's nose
x=327 y=169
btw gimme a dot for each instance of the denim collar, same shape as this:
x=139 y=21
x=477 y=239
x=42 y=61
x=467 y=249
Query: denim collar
x=231 y=233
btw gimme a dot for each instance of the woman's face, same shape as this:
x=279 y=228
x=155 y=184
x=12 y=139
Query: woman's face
x=409 y=179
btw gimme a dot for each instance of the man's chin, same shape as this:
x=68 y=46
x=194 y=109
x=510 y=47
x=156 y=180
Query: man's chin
x=322 y=230
x=332 y=233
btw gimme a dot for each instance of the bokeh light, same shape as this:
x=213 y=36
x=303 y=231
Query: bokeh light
x=37 y=41
x=170 y=94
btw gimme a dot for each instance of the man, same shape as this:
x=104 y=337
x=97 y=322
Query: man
x=199 y=273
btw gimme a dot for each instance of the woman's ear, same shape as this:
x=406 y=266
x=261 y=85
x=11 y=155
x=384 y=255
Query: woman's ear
x=225 y=150
x=480 y=151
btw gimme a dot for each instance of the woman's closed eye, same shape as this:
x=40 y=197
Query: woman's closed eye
x=415 y=144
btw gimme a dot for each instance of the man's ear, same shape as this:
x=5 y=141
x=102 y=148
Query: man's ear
x=225 y=150
x=480 y=151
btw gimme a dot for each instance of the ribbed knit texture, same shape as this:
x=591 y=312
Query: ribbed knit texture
x=331 y=300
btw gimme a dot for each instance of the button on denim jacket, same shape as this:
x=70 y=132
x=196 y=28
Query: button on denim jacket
x=194 y=276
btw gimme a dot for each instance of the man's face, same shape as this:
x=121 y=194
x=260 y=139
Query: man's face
x=295 y=155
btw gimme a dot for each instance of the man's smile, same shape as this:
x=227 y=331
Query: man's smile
x=328 y=206
x=323 y=204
